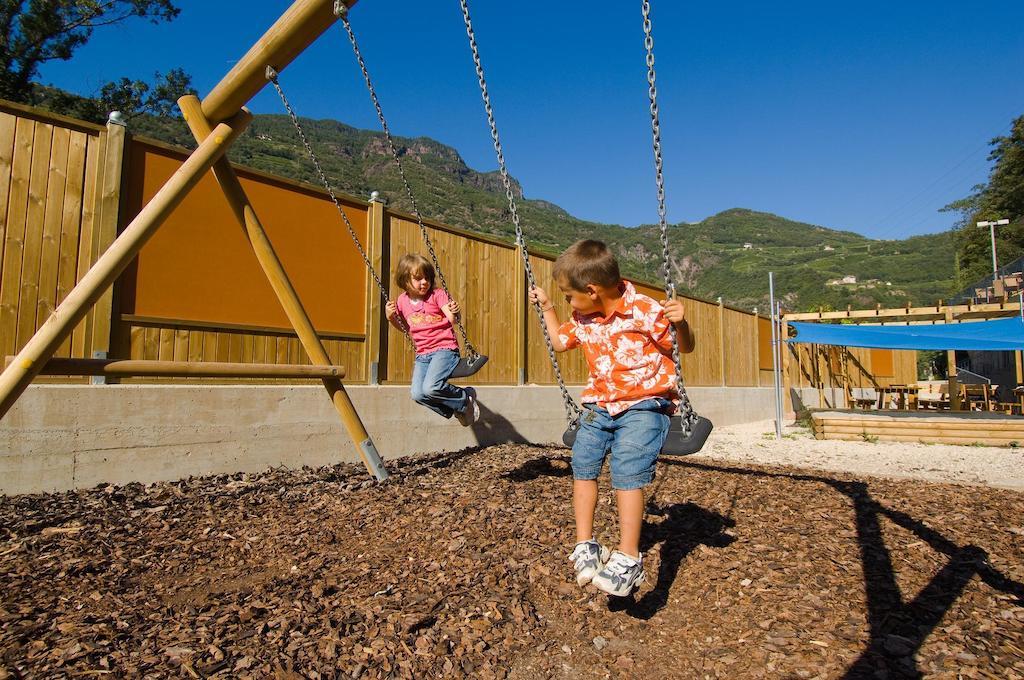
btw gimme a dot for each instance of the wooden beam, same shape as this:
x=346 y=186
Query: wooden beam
x=293 y=32
x=977 y=311
x=185 y=369
x=109 y=266
x=282 y=286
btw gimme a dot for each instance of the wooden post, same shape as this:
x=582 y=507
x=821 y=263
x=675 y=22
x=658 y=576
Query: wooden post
x=286 y=295
x=105 y=228
x=292 y=33
x=1019 y=366
x=785 y=349
x=721 y=339
x=954 y=387
x=522 y=312
x=378 y=240
x=51 y=334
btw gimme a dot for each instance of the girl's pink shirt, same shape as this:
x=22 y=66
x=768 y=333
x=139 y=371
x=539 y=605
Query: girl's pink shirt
x=428 y=326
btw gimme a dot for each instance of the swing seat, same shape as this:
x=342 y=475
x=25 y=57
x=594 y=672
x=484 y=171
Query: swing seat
x=677 y=443
x=467 y=366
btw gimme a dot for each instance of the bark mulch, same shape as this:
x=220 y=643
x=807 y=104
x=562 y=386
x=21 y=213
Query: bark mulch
x=457 y=567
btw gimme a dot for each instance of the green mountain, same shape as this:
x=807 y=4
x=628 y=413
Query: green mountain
x=727 y=255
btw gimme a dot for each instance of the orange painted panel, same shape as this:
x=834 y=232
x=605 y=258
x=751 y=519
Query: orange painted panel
x=882 y=363
x=200 y=267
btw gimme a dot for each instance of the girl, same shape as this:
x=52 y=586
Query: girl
x=429 y=315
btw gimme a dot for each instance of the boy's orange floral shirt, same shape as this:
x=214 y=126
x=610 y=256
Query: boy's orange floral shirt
x=629 y=352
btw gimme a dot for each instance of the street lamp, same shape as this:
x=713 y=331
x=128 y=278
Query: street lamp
x=992 y=230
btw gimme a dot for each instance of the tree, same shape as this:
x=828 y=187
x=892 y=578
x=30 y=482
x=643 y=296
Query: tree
x=132 y=97
x=1001 y=198
x=37 y=31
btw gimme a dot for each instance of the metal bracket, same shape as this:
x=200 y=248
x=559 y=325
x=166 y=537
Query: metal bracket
x=271 y=73
x=340 y=8
x=98 y=379
x=374 y=373
x=373 y=459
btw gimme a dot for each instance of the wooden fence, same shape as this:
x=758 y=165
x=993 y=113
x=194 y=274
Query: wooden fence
x=196 y=292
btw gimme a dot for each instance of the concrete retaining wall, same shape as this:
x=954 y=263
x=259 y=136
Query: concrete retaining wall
x=60 y=437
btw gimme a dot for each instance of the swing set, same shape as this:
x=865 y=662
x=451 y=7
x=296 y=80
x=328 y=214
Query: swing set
x=216 y=122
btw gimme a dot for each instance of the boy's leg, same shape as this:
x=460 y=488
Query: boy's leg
x=639 y=434
x=419 y=387
x=588 y=452
x=435 y=382
x=631 y=518
x=584 y=505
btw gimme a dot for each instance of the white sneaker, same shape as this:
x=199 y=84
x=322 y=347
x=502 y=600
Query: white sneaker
x=620 y=575
x=588 y=558
x=471 y=413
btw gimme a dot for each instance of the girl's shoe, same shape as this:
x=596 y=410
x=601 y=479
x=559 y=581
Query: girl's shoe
x=588 y=558
x=620 y=575
x=471 y=413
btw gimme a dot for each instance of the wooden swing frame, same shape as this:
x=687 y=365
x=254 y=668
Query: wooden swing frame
x=216 y=122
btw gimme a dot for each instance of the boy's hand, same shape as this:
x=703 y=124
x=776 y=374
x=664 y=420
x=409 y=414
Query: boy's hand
x=453 y=308
x=391 y=310
x=674 y=311
x=539 y=297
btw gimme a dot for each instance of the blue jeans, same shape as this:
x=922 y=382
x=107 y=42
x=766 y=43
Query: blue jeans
x=430 y=385
x=634 y=437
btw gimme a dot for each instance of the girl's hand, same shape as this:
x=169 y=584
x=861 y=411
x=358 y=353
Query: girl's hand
x=454 y=307
x=674 y=311
x=391 y=310
x=539 y=297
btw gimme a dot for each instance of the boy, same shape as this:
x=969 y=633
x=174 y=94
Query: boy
x=627 y=400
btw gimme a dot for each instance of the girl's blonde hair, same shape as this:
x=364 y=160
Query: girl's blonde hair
x=410 y=265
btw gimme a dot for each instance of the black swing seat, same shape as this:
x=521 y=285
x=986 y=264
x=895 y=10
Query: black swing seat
x=677 y=443
x=467 y=366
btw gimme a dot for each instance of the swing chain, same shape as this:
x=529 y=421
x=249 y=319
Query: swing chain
x=272 y=77
x=473 y=354
x=688 y=414
x=572 y=410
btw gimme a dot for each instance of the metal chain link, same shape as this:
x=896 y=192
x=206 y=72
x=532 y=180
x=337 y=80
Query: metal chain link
x=401 y=171
x=670 y=289
x=572 y=410
x=272 y=77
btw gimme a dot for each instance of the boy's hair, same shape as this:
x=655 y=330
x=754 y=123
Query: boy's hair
x=410 y=264
x=587 y=262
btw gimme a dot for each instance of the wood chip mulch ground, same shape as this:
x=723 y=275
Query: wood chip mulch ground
x=457 y=567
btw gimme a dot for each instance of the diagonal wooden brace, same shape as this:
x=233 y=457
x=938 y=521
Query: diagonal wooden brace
x=286 y=294
x=31 y=359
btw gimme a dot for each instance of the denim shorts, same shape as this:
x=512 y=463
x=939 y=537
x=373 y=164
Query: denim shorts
x=634 y=438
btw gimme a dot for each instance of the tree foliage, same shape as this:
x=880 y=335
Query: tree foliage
x=1002 y=197
x=37 y=31
x=134 y=97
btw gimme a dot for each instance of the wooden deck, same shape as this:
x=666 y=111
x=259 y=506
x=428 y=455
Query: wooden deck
x=966 y=428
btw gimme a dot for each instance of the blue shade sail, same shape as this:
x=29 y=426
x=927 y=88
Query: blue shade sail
x=997 y=335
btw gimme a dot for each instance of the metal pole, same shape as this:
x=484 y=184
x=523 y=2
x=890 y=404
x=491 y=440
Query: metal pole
x=775 y=355
x=992 y=235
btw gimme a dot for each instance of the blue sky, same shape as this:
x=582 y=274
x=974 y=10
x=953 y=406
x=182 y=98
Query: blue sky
x=863 y=116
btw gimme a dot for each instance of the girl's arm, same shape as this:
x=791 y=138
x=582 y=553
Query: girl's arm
x=392 y=314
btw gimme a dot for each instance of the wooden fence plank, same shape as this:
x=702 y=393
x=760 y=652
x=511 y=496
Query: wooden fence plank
x=8 y=124
x=81 y=337
x=14 y=239
x=71 y=224
x=52 y=222
x=33 y=245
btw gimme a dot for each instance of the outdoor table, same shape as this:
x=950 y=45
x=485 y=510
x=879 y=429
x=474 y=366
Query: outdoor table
x=905 y=396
